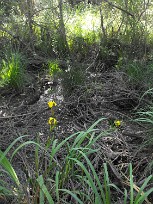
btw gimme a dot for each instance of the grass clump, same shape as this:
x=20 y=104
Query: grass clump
x=12 y=71
x=135 y=71
x=144 y=116
x=140 y=73
x=50 y=181
x=72 y=78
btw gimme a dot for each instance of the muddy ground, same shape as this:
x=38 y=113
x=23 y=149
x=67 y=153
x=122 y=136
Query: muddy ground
x=107 y=95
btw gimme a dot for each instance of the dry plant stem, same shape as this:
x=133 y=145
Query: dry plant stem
x=136 y=188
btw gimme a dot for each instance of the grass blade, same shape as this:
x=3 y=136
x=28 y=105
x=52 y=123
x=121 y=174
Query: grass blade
x=22 y=145
x=125 y=196
x=131 y=185
x=94 y=188
x=40 y=181
x=41 y=197
x=10 y=146
x=8 y=167
x=73 y=195
x=144 y=197
x=106 y=185
x=142 y=188
x=57 y=183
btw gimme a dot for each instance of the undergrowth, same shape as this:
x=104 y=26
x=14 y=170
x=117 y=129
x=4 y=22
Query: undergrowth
x=137 y=75
x=145 y=117
x=52 y=178
x=13 y=71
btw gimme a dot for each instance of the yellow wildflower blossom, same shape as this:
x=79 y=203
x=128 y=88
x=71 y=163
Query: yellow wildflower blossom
x=51 y=104
x=117 y=123
x=52 y=121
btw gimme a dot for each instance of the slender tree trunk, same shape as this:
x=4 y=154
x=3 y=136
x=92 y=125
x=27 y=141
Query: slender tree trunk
x=30 y=8
x=102 y=24
x=62 y=28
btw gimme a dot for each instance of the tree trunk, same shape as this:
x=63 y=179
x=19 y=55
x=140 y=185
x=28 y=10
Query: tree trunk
x=29 y=15
x=62 y=29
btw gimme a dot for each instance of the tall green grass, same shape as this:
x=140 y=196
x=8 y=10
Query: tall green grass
x=56 y=178
x=145 y=117
x=140 y=73
x=12 y=71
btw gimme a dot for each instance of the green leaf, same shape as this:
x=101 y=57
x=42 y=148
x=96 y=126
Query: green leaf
x=131 y=185
x=40 y=181
x=8 y=167
x=73 y=195
x=142 y=188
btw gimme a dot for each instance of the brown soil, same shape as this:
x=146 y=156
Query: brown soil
x=105 y=95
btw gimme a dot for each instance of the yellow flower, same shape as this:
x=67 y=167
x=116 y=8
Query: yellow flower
x=51 y=104
x=117 y=123
x=52 y=121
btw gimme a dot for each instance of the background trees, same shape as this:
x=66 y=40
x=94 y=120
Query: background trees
x=32 y=22
x=106 y=31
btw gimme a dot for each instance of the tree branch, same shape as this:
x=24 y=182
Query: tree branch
x=121 y=9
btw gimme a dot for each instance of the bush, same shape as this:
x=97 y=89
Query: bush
x=53 y=67
x=72 y=78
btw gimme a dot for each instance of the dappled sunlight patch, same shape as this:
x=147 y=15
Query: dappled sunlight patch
x=86 y=25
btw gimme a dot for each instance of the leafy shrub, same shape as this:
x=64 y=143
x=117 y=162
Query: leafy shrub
x=72 y=78
x=78 y=45
x=53 y=67
x=60 y=46
x=110 y=52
